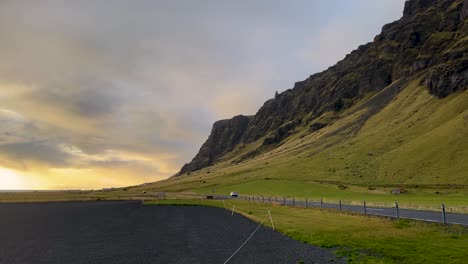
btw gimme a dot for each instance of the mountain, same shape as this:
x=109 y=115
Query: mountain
x=393 y=110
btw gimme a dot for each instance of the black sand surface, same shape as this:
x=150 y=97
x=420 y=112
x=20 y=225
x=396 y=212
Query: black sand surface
x=128 y=232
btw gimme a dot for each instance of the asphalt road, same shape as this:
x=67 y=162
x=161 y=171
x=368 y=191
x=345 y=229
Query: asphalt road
x=128 y=232
x=427 y=216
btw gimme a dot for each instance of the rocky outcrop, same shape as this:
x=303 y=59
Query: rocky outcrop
x=317 y=126
x=224 y=136
x=464 y=13
x=430 y=40
x=448 y=78
x=415 y=6
x=281 y=133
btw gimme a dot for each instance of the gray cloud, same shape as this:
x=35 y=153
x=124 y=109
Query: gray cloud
x=37 y=151
x=88 y=101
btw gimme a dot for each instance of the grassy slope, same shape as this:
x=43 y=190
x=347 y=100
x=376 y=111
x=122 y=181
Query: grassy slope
x=359 y=238
x=417 y=141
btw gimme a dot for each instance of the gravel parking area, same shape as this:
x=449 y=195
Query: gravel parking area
x=127 y=232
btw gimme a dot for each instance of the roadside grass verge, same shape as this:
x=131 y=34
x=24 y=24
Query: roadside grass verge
x=357 y=238
x=350 y=194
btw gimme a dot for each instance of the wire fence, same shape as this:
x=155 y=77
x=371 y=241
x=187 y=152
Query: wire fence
x=430 y=213
x=402 y=205
x=443 y=214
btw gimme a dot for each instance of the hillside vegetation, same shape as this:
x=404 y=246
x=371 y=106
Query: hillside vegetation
x=392 y=114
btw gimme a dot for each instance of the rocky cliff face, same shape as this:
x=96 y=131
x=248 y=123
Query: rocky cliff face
x=430 y=40
x=465 y=10
x=224 y=136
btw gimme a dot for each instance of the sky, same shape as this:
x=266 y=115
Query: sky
x=112 y=93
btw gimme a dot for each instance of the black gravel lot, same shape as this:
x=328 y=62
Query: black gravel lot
x=128 y=232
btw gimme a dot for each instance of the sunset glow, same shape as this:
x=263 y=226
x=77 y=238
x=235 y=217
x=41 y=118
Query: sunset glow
x=12 y=180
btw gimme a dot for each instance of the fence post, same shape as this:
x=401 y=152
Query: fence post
x=307 y=205
x=263 y=199
x=397 y=210
x=284 y=200
x=321 y=202
x=444 y=217
x=340 y=205
x=365 y=208
x=276 y=198
x=269 y=199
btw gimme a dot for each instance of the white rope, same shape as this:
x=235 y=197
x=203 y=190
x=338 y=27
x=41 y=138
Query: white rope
x=251 y=235
x=262 y=211
x=271 y=219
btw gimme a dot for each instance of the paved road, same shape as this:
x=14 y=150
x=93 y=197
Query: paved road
x=128 y=232
x=427 y=216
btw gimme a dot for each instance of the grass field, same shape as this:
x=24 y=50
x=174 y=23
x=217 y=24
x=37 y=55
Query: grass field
x=418 y=199
x=359 y=239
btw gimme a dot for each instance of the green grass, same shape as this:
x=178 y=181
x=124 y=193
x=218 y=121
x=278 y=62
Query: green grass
x=359 y=239
x=416 y=142
x=351 y=194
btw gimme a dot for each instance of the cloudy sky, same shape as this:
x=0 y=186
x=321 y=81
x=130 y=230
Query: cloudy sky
x=112 y=93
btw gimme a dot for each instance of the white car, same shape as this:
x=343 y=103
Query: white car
x=234 y=194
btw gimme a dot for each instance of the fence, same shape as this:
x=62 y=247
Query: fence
x=444 y=214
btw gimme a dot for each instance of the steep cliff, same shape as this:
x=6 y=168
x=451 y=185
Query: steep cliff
x=429 y=42
x=224 y=136
x=465 y=10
